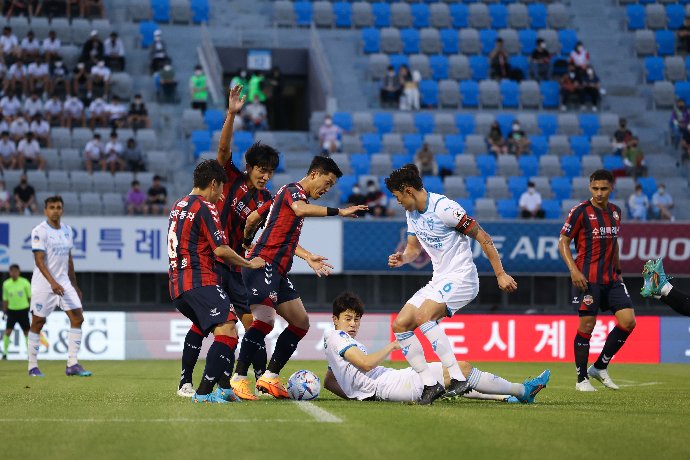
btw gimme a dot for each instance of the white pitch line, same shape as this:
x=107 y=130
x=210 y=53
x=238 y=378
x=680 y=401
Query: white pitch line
x=153 y=420
x=319 y=414
x=646 y=384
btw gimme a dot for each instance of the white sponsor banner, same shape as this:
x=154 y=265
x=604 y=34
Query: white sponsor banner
x=139 y=244
x=103 y=337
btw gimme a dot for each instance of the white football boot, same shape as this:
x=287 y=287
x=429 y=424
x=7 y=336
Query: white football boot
x=187 y=391
x=584 y=386
x=603 y=376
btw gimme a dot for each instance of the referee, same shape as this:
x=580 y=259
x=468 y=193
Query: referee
x=16 y=295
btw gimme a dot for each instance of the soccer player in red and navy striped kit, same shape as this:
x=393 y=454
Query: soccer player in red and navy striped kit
x=195 y=239
x=596 y=275
x=270 y=291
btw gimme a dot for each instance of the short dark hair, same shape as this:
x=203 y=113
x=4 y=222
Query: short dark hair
x=15 y=266
x=207 y=171
x=156 y=177
x=601 y=174
x=135 y=182
x=348 y=301
x=262 y=155
x=53 y=199
x=324 y=165
x=407 y=176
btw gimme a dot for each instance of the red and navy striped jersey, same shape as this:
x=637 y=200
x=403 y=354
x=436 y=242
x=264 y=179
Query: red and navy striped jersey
x=278 y=242
x=194 y=232
x=239 y=201
x=595 y=232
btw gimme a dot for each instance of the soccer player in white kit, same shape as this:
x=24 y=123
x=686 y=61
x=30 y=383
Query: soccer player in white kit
x=443 y=229
x=54 y=284
x=355 y=374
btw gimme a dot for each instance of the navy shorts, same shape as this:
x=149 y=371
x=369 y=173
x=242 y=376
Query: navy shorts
x=20 y=317
x=231 y=281
x=206 y=307
x=605 y=297
x=268 y=287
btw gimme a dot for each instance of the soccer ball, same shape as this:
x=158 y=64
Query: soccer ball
x=304 y=386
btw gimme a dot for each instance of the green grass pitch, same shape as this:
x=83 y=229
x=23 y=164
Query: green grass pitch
x=130 y=410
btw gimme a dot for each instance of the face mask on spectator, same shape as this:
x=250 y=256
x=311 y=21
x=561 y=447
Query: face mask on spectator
x=590 y=72
x=531 y=189
x=371 y=188
x=328 y=122
x=572 y=75
x=662 y=190
x=516 y=127
x=356 y=190
x=197 y=72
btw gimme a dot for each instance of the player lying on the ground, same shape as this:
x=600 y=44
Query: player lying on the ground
x=657 y=285
x=355 y=374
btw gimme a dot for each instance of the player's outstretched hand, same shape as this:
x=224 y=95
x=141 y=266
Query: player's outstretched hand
x=235 y=102
x=396 y=260
x=506 y=283
x=579 y=280
x=257 y=262
x=353 y=210
x=319 y=265
x=57 y=288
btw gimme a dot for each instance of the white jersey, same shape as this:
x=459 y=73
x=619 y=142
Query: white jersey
x=439 y=231
x=57 y=244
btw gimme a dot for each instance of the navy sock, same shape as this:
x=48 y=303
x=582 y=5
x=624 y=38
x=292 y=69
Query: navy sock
x=260 y=359
x=615 y=340
x=285 y=347
x=581 y=354
x=253 y=348
x=219 y=362
x=190 y=354
x=677 y=300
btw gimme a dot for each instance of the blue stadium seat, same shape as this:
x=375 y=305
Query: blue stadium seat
x=518 y=184
x=551 y=95
x=507 y=208
x=424 y=123
x=345 y=184
x=160 y=10
x=439 y=67
x=303 y=13
x=488 y=38
x=520 y=62
x=568 y=39
x=648 y=185
x=397 y=60
x=238 y=159
x=410 y=41
x=537 y=15
x=449 y=40
x=343 y=14
x=505 y=122
x=635 y=15
x=675 y=14
x=433 y=184
x=486 y=164
x=613 y=162
x=455 y=144
x=539 y=145
x=579 y=145
x=371 y=143
x=382 y=14
x=383 y=122
x=570 y=164
x=589 y=124
x=445 y=161
x=561 y=187
x=469 y=91
x=428 y=89
x=412 y=142
x=214 y=119
x=464 y=121
x=201 y=140
x=666 y=42
x=420 y=15
x=551 y=208
x=499 y=16
x=398 y=161
x=548 y=124
x=475 y=187
x=467 y=204
x=384 y=189
x=371 y=38
x=510 y=94
x=480 y=67
x=343 y=119
x=242 y=140
x=683 y=91
x=200 y=11
x=528 y=40
x=146 y=30
x=360 y=163
x=460 y=15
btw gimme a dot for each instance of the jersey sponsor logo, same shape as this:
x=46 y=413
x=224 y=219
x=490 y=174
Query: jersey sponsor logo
x=616 y=216
x=214 y=312
x=588 y=300
x=182 y=204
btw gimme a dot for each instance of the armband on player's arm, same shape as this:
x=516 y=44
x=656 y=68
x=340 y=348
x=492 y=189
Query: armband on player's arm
x=466 y=225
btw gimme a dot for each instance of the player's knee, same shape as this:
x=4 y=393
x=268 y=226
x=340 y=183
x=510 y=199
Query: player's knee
x=587 y=326
x=400 y=325
x=628 y=325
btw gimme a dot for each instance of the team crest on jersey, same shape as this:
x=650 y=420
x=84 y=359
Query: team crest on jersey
x=273 y=295
x=592 y=217
x=39 y=306
x=588 y=300
x=182 y=204
x=458 y=214
x=616 y=216
x=344 y=334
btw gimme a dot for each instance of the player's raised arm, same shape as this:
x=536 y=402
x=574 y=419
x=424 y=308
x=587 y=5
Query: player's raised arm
x=411 y=252
x=505 y=281
x=235 y=104
x=365 y=362
x=303 y=209
x=331 y=384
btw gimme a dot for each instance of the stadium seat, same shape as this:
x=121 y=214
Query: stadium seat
x=410 y=41
x=479 y=17
x=548 y=124
x=428 y=90
x=557 y=16
x=465 y=165
x=551 y=96
x=201 y=140
x=579 y=145
x=666 y=42
x=430 y=41
x=528 y=40
x=469 y=41
x=412 y=143
x=214 y=119
x=161 y=10
x=392 y=143
x=540 y=145
x=467 y=204
x=401 y=15
x=570 y=164
x=510 y=94
x=383 y=122
x=480 y=68
x=475 y=144
x=675 y=68
x=469 y=91
x=439 y=16
x=499 y=16
x=459 y=15
x=488 y=37
x=343 y=119
x=455 y=144
x=591 y=163
x=505 y=122
x=382 y=14
x=439 y=67
x=398 y=161
x=200 y=11
x=344 y=185
x=146 y=31
x=242 y=140
x=489 y=94
x=454 y=187
x=682 y=90
x=433 y=184
x=568 y=39
x=359 y=162
x=507 y=208
x=448 y=93
x=520 y=62
x=675 y=14
x=655 y=16
x=420 y=15
x=648 y=184
x=538 y=15
x=486 y=164
x=589 y=124
x=551 y=208
x=362 y=14
x=508 y=165
x=403 y=122
x=322 y=14
x=635 y=17
x=475 y=186
x=391 y=41
x=449 y=41
x=371 y=40
x=613 y=162
x=444 y=122
x=380 y=164
x=343 y=14
x=465 y=122
x=497 y=187
x=424 y=123
x=371 y=143
x=654 y=68
x=284 y=13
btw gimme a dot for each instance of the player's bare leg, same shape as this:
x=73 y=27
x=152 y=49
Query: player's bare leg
x=614 y=342
x=584 y=334
x=76 y=318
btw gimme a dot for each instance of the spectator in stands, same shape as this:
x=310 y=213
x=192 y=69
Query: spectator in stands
x=158 y=52
x=5 y=203
x=638 y=204
x=38 y=73
x=254 y=91
x=100 y=79
x=92 y=51
x=138 y=115
x=241 y=79
x=530 y=203
x=8 y=152
x=98 y=113
x=684 y=147
x=684 y=34
x=3 y=71
x=390 y=89
x=621 y=137
x=518 y=142
x=157 y=199
x=23 y=8
x=11 y=105
x=24 y=197
x=31 y=47
x=633 y=157
x=114 y=52
x=52 y=110
x=73 y=111
x=680 y=117
x=571 y=89
x=662 y=204
x=80 y=79
x=87 y=6
x=113 y=154
x=540 y=61
x=93 y=154
x=168 y=83
x=30 y=153
x=425 y=162
x=9 y=44
x=495 y=140
x=136 y=200
x=499 y=61
x=591 y=87
x=329 y=136
x=59 y=79
x=357 y=198
x=33 y=105
x=117 y=112
x=18 y=128
x=409 y=82
x=254 y=115
x=16 y=76
x=376 y=200
x=41 y=129
x=51 y=46
x=579 y=57
x=134 y=159
x=198 y=89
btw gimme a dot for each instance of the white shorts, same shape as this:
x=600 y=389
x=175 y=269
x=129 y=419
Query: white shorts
x=449 y=291
x=44 y=302
x=405 y=384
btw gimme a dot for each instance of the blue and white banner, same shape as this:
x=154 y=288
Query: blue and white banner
x=675 y=340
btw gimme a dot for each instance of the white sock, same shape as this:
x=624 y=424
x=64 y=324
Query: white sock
x=237 y=377
x=666 y=289
x=485 y=382
x=270 y=375
x=412 y=349
x=442 y=348
x=73 y=345
x=474 y=394
x=34 y=343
